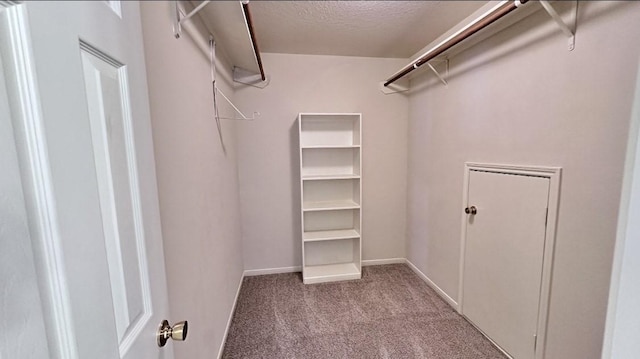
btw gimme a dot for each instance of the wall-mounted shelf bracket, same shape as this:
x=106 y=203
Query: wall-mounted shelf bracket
x=179 y=19
x=250 y=78
x=242 y=115
x=569 y=29
x=442 y=78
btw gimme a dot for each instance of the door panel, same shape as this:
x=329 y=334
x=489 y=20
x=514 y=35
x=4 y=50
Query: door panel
x=88 y=64
x=504 y=256
x=114 y=158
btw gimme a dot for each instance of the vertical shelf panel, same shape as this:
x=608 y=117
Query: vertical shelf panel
x=330 y=183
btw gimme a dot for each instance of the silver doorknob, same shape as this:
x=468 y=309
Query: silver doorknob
x=177 y=332
x=471 y=210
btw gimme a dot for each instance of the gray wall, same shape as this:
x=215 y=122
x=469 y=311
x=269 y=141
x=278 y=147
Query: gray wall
x=520 y=97
x=197 y=183
x=268 y=153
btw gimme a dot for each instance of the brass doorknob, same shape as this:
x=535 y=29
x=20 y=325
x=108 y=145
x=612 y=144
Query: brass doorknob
x=177 y=332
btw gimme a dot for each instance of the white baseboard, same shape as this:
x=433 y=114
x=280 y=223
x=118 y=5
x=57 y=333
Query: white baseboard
x=233 y=310
x=433 y=286
x=368 y=262
x=253 y=272
x=378 y=262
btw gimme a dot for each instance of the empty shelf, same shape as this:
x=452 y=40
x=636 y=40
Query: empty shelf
x=330 y=146
x=329 y=177
x=330 y=273
x=330 y=205
x=330 y=235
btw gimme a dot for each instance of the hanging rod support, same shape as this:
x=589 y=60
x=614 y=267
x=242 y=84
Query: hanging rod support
x=568 y=29
x=242 y=115
x=440 y=77
x=247 y=77
x=179 y=19
x=177 y=29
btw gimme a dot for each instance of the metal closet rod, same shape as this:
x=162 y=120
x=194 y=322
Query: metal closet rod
x=254 y=43
x=464 y=33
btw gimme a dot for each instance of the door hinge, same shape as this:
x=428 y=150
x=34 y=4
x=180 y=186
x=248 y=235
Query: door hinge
x=535 y=342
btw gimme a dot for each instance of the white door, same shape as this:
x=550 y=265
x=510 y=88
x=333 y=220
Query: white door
x=17 y=268
x=87 y=143
x=504 y=257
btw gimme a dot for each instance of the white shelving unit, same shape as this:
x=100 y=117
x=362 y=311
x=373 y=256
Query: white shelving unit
x=331 y=201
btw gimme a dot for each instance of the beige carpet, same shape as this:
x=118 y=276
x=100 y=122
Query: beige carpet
x=389 y=313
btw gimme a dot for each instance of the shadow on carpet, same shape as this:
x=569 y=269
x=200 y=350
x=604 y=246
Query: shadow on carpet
x=389 y=313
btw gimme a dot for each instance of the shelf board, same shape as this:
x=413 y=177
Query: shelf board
x=315 y=236
x=329 y=177
x=330 y=273
x=329 y=205
x=330 y=114
x=329 y=146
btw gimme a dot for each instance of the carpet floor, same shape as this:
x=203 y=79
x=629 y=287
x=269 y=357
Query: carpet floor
x=389 y=313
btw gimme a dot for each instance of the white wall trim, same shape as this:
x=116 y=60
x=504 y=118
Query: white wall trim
x=254 y=272
x=554 y=174
x=431 y=284
x=378 y=262
x=293 y=269
x=230 y=319
x=37 y=186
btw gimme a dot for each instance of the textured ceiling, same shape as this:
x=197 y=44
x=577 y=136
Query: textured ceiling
x=354 y=28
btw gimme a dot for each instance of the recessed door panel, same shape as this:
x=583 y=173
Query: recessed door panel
x=111 y=132
x=504 y=257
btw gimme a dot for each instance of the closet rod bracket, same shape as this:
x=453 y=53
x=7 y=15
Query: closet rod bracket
x=569 y=29
x=247 y=77
x=442 y=78
x=401 y=85
x=179 y=19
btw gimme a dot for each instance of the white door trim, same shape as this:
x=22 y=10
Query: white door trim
x=37 y=185
x=554 y=175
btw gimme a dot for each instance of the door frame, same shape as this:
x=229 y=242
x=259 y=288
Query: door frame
x=554 y=174
x=28 y=127
x=623 y=290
